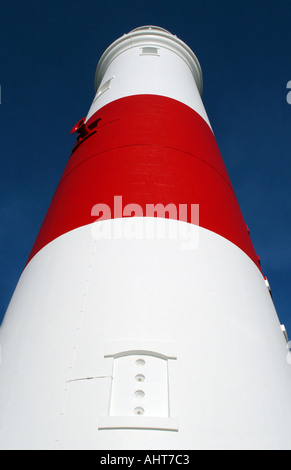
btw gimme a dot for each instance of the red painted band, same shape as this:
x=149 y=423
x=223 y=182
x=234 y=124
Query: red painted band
x=148 y=149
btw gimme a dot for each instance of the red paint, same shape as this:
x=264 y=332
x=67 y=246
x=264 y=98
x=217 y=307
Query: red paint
x=148 y=149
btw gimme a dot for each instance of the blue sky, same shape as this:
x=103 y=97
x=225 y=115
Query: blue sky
x=48 y=55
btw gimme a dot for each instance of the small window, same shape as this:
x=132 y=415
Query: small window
x=103 y=88
x=149 y=51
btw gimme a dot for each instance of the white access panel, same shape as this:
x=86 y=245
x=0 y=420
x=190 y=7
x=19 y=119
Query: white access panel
x=140 y=386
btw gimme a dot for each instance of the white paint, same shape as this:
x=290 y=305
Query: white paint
x=229 y=387
x=174 y=72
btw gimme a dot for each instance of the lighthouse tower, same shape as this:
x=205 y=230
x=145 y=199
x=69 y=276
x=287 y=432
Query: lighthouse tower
x=142 y=319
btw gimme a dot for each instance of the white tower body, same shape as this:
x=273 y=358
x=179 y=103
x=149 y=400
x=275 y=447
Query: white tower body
x=144 y=332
